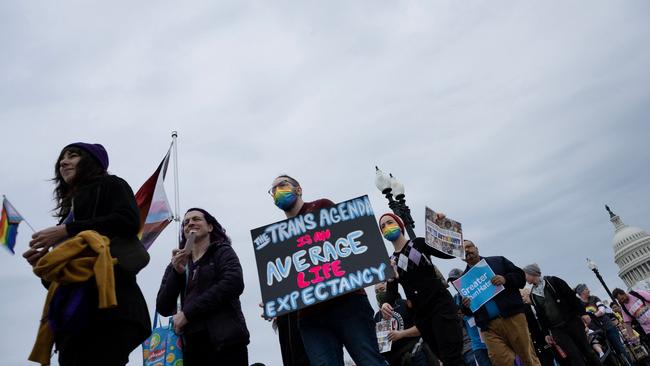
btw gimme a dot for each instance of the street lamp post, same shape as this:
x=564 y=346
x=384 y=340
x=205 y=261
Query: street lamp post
x=592 y=266
x=388 y=186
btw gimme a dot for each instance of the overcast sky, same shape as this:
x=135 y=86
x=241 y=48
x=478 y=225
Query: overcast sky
x=518 y=119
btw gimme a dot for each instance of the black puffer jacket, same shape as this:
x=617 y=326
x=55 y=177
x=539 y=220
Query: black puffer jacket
x=214 y=303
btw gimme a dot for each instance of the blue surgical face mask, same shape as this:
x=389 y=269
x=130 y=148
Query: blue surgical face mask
x=285 y=198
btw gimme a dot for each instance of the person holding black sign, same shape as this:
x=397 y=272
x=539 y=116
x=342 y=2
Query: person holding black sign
x=325 y=327
x=209 y=279
x=502 y=320
x=435 y=314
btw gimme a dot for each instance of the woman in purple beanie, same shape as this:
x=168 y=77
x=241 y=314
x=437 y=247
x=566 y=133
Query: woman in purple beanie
x=89 y=198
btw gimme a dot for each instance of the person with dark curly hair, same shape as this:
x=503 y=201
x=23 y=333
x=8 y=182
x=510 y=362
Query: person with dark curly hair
x=88 y=198
x=208 y=277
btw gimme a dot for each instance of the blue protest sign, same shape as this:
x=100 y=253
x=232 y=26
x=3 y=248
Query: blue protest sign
x=476 y=285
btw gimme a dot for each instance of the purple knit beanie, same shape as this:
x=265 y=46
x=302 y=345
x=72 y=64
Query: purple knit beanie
x=97 y=151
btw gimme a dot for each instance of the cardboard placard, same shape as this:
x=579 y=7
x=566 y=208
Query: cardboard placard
x=444 y=234
x=320 y=255
x=476 y=284
x=382 y=328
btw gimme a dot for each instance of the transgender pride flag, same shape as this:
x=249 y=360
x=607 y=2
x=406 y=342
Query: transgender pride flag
x=155 y=213
x=9 y=220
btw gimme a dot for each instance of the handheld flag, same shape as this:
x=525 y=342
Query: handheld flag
x=155 y=212
x=9 y=225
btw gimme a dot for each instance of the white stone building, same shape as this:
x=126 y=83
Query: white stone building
x=631 y=253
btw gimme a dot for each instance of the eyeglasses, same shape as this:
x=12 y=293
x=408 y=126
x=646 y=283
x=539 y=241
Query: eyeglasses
x=281 y=184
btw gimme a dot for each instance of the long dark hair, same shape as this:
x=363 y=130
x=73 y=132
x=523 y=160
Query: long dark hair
x=87 y=170
x=218 y=233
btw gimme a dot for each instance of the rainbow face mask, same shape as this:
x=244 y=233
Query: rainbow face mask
x=391 y=232
x=284 y=198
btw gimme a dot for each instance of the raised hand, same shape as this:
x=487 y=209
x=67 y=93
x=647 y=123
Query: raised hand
x=179 y=259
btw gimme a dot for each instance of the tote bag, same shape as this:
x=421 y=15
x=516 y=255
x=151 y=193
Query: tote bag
x=163 y=347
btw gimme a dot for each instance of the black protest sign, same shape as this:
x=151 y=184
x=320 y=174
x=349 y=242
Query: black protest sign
x=320 y=255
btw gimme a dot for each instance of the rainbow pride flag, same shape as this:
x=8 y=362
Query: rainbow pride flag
x=155 y=212
x=9 y=221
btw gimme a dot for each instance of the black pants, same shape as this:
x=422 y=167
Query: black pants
x=573 y=339
x=198 y=350
x=291 y=346
x=104 y=343
x=443 y=335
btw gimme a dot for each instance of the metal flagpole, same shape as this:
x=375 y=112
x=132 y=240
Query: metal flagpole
x=177 y=217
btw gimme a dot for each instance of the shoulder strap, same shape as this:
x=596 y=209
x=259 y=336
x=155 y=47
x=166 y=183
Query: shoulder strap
x=170 y=321
x=187 y=273
x=550 y=286
x=638 y=296
x=633 y=320
x=532 y=300
x=624 y=308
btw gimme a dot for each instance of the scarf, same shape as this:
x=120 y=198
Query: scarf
x=539 y=288
x=77 y=259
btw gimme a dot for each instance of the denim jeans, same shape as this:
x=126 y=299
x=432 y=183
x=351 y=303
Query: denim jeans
x=349 y=322
x=482 y=358
x=614 y=338
x=468 y=358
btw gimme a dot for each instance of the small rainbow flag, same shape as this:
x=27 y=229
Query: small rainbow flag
x=9 y=225
x=155 y=212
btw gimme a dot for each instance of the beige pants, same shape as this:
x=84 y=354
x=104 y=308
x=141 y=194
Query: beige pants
x=507 y=338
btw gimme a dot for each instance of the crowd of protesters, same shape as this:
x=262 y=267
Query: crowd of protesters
x=547 y=324
x=91 y=299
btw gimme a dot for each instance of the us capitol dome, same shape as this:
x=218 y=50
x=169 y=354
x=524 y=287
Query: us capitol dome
x=631 y=253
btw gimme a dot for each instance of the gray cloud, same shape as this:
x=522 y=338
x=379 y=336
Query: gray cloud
x=520 y=120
